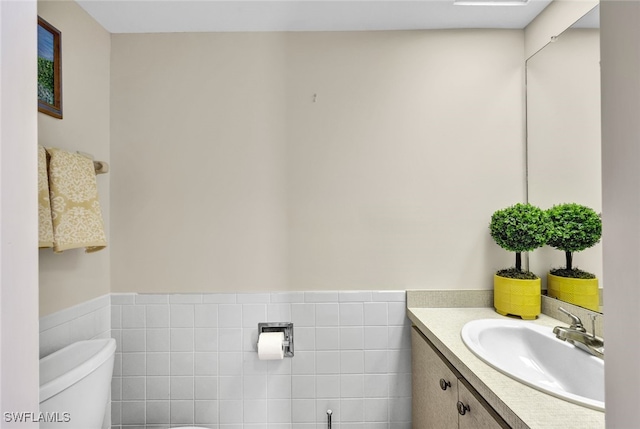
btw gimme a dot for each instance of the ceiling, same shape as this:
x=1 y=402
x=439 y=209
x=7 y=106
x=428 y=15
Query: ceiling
x=164 y=16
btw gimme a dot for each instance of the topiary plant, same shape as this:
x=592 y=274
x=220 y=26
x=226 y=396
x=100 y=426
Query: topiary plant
x=519 y=228
x=573 y=228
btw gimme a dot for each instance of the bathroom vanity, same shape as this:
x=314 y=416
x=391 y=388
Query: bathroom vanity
x=448 y=379
x=442 y=398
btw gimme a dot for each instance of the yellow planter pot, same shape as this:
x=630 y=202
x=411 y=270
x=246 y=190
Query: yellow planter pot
x=582 y=292
x=516 y=297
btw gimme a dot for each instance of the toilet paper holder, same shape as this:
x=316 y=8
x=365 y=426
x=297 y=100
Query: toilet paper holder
x=286 y=328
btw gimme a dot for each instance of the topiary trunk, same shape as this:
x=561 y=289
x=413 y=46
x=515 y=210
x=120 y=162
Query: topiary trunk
x=569 y=256
x=518 y=261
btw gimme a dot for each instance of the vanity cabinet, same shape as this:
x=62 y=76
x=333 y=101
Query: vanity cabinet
x=442 y=398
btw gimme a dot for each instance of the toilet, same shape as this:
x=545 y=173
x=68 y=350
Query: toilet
x=75 y=383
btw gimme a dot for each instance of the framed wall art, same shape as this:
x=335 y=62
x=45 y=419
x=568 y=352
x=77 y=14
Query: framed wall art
x=49 y=69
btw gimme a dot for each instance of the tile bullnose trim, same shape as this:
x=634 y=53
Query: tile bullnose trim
x=63 y=316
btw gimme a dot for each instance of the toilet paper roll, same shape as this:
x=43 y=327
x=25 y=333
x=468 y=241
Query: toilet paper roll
x=270 y=345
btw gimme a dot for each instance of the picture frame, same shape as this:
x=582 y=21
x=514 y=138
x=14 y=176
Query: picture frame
x=49 y=69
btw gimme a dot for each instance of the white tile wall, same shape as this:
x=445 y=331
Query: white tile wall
x=191 y=359
x=86 y=321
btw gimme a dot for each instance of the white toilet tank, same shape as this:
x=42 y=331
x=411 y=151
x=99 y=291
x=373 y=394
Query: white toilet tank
x=75 y=383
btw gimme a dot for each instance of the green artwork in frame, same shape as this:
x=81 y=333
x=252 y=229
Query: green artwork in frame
x=49 y=70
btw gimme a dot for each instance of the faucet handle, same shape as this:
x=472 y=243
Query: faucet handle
x=593 y=324
x=576 y=323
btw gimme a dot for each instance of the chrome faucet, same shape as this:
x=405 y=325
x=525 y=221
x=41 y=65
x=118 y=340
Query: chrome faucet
x=577 y=335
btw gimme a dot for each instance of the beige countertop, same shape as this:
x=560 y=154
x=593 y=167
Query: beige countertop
x=519 y=405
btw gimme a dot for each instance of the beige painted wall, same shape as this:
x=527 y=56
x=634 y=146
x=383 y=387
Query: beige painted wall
x=73 y=277
x=563 y=126
x=304 y=161
x=620 y=38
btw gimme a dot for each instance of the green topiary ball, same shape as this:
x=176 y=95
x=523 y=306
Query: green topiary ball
x=520 y=228
x=573 y=227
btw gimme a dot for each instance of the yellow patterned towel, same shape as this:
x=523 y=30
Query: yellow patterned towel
x=45 y=227
x=75 y=209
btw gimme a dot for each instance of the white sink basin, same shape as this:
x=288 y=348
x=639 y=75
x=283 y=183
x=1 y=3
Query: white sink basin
x=531 y=354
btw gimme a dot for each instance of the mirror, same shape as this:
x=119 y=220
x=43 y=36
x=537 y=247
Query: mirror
x=563 y=134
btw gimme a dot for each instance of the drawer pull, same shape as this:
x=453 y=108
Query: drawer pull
x=462 y=408
x=444 y=384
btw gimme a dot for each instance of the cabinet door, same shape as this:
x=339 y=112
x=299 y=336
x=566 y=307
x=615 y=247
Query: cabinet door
x=433 y=406
x=477 y=413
